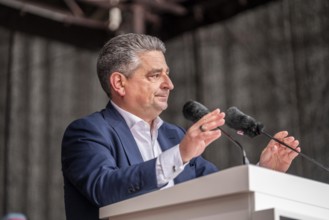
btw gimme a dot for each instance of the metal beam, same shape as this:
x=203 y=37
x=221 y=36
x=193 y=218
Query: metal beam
x=75 y=8
x=164 y=6
x=81 y=36
x=53 y=14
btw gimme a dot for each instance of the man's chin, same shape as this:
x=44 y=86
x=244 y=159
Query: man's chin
x=163 y=106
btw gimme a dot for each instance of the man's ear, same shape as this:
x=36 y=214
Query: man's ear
x=118 y=81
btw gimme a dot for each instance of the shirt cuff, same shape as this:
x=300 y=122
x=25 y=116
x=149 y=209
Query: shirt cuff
x=169 y=165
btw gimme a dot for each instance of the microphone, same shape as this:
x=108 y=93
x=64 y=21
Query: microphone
x=245 y=124
x=193 y=111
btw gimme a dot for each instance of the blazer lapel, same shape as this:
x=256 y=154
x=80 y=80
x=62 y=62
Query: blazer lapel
x=127 y=140
x=167 y=138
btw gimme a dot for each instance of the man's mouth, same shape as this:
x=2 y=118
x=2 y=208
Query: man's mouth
x=163 y=95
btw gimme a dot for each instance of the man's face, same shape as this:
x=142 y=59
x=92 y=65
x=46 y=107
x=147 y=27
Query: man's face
x=147 y=89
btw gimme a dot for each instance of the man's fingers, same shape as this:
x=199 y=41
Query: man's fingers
x=281 y=134
x=210 y=121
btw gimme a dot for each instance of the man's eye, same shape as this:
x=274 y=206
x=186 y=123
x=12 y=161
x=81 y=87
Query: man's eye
x=155 y=76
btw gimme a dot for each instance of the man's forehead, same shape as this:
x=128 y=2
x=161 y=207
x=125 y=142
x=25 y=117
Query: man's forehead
x=154 y=59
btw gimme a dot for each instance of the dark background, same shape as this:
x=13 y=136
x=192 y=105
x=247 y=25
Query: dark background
x=268 y=58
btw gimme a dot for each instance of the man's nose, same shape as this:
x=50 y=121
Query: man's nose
x=167 y=83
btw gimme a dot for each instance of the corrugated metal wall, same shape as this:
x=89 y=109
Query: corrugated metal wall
x=272 y=63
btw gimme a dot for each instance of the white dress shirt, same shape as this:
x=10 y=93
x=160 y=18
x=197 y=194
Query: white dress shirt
x=169 y=163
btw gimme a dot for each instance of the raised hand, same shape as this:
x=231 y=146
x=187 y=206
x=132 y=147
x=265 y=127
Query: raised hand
x=201 y=134
x=278 y=157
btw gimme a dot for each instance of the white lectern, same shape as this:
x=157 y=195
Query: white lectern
x=239 y=193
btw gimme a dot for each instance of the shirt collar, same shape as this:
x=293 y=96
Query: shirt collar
x=132 y=119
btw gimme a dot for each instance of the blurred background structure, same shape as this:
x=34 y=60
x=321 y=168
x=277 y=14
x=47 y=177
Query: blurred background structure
x=268 y=58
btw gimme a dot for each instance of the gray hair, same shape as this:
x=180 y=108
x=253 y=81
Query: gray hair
x=120 y=54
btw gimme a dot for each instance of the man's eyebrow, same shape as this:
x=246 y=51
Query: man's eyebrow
x=158 y=71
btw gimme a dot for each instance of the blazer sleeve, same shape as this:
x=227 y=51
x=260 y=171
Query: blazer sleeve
x=95 y=164
x=197 y=167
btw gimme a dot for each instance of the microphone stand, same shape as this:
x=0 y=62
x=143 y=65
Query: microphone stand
x=245 y=159
x=300 y=153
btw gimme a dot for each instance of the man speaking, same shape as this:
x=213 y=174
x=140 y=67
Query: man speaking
x=126 y=149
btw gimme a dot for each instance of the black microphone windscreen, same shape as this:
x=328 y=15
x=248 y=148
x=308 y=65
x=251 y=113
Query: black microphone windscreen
x=242 y=122
x=193 y=110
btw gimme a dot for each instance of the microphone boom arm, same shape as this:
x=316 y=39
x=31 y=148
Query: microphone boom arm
x=245 y=159
x=300 y=153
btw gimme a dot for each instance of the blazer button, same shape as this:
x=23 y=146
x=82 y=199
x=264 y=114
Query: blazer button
x=131 y=190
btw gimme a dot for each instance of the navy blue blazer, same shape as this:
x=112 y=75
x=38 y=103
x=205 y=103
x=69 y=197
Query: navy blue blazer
x=101 y=163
